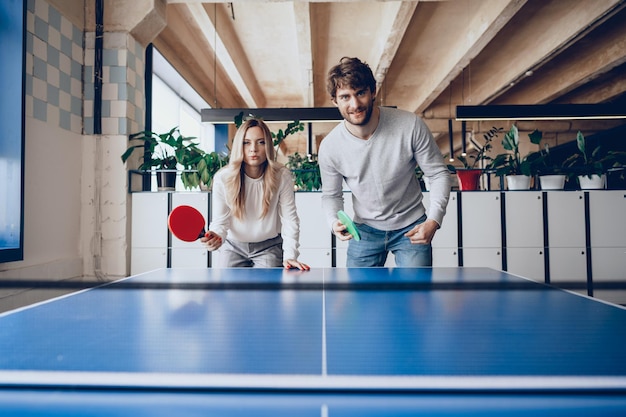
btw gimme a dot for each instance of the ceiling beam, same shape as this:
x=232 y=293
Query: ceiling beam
x=302 y=14
x=601 y=52
x=180 y=48
x=482 y=25
x=209 y=31
x=395 y=33
x=558 y=22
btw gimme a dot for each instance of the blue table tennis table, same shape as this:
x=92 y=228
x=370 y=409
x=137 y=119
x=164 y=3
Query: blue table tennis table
x=327 y=342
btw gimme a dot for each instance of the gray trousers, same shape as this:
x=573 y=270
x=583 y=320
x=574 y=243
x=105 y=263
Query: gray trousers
x=265 y=254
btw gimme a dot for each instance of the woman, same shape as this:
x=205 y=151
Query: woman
x=255 y=222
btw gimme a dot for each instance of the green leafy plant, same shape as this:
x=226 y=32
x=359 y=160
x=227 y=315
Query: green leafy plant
x=306 y=171
x=208 y=165
x=471 y=161
x=511 y=162
x=163 y=151
x=547 y=164
x=596 y=162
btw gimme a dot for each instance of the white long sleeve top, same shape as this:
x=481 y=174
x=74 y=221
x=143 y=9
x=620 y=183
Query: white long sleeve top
x=282 y=217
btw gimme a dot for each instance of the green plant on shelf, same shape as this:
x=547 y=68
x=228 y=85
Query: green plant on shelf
x=306 y=171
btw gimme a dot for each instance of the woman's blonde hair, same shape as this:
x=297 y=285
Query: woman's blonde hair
x=234 y=175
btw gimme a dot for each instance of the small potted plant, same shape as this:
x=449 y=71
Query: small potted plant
x=517 y=169
x=163 y=152
x=551 y=171
x=590 y=167
x=469 y=175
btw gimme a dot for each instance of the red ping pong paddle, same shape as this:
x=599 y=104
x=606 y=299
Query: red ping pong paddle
x=186 y=223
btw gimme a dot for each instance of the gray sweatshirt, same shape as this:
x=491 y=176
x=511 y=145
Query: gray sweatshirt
x=380 y=172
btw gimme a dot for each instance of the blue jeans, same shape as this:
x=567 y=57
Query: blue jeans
x=375 y=244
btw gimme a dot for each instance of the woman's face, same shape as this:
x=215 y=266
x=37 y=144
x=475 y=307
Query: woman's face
x=254 y=147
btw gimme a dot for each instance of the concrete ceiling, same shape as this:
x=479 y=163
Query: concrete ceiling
x=428 y=56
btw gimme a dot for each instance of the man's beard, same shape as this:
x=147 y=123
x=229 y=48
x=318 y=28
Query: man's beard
x=368 y=115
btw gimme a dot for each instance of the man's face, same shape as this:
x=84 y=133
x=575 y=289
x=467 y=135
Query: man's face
x=355 y=106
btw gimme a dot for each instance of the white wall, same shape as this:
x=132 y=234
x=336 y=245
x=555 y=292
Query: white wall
x=52 y=209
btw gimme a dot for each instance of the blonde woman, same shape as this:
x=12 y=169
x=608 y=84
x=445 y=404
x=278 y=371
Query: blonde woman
x=255 y=223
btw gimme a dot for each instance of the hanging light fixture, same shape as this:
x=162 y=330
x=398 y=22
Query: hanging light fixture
x=302 y=114
x=540 y=112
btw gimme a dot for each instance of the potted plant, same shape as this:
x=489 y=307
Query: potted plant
x=517 y=169
x=551 y=171
x=590 y=167
x=469 y=175
x=306 y=171
x=163 y=152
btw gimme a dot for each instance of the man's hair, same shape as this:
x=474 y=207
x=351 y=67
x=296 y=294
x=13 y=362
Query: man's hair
x=350 y=73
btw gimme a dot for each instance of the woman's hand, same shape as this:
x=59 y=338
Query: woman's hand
x=292 y=263
x=212 y=241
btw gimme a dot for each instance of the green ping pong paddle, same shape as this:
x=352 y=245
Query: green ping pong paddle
x=350 y=227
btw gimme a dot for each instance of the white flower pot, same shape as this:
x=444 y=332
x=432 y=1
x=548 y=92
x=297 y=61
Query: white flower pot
x=596 y=182
x=518 y=182
x=552 y=182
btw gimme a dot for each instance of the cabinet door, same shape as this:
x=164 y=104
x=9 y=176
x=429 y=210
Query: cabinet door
x=607 y=214
x=524 y=234
x=148 y=232
x=448 y=235
x=147 y=259
x=526 y=262
x=569 y=265
x=315 y=234
x=190 y=254
x=566 y=237
x=481 y=219
x=149 y=220
x=448 y=257
x=566 y=219
x=482 y=229
x=483 y=257
x=197 y=200
x=524 y=219
x=446 y=241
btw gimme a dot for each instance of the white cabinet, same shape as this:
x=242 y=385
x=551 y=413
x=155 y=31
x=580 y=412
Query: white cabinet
x=524 y=234
x=446 y=241
x=190 y=254
x=152 y=246
x=607 y=224
x=148 y=232
x=315 y=235
x=481 y=229
x=566 y=237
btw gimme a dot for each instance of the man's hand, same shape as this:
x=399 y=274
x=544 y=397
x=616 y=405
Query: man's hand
x=423 y=233
x=339 y=229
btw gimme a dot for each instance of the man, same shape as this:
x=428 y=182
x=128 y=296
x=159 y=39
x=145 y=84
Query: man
x=375 y=150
